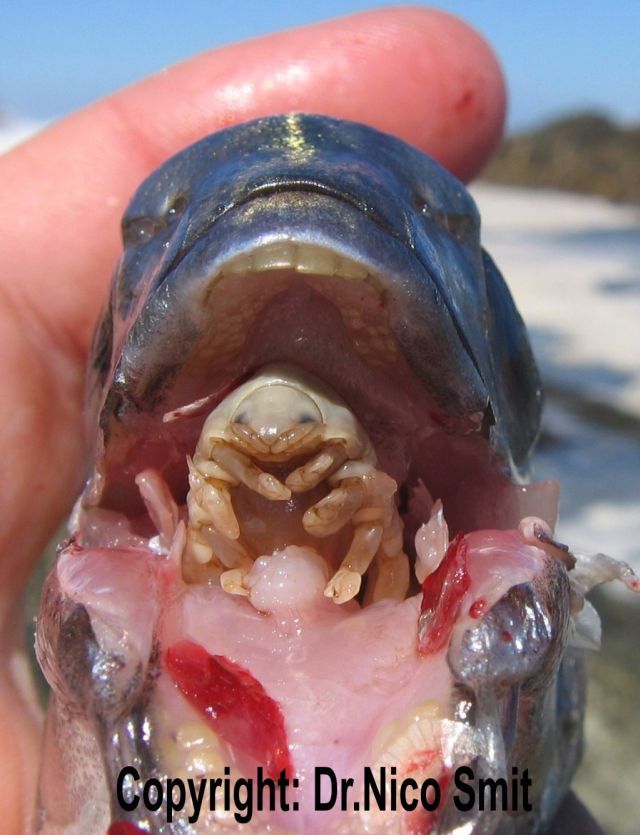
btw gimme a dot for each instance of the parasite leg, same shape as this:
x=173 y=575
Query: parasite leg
x=238 y=564
x=198 y=563
x=326 y=461
x=198 y=549
x=207 y=547
x=377 y=534
x=212 y=520
x=392 y=580
x=209 y=503
x=331 y=513
x=243 y=469
x=345 y=583
x=234 y=582
x=391 y=564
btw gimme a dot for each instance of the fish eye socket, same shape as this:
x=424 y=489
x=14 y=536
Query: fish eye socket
x=421 y=204
x=460 y=226
x=140 y=229
x=177 y=207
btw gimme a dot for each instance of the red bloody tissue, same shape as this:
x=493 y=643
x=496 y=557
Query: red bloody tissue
x=234 y=702
x=442 y=594
x=125 y=828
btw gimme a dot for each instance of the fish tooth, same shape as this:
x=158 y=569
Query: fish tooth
x=315 y=259
x=350 y=269
x=277 y=256
x=240 y=264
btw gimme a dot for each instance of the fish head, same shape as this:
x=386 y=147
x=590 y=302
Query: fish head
x=323 y=244
x=325 y=241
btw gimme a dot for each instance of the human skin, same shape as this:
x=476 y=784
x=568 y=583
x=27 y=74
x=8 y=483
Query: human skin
x=418 y=73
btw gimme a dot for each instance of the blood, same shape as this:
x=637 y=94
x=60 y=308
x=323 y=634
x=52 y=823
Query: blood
x=477 y=608
x=125 y=828
x=506 y=636
x=234 y=703
x=442 y=594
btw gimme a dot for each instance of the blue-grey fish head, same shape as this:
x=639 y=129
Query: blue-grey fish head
x=328 y=245
x=415 y=312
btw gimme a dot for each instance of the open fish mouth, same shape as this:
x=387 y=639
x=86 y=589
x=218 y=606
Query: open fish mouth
x=194 y=629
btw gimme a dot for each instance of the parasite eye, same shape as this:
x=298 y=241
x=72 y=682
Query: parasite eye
x=306 y=418
x=241 y=418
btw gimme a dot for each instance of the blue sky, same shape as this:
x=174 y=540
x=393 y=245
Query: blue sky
x=558 y=56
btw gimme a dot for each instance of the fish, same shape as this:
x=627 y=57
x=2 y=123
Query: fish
x=309 y=585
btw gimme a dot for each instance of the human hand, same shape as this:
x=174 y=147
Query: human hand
x=414 y=72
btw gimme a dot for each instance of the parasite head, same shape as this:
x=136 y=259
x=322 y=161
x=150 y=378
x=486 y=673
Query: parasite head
x=277 y=421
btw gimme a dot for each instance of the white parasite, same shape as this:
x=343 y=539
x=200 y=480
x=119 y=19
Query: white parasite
x=279 y=415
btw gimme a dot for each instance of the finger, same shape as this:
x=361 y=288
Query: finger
x=20 y=745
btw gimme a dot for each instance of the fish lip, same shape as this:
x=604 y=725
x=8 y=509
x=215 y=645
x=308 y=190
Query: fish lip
x=402 y=226
x=282 y=185
x=320 y=218
x=377 y=173
x=402 y=232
